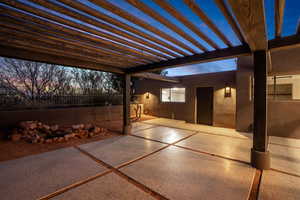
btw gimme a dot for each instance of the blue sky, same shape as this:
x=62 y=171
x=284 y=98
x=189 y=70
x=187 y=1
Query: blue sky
x=291 y=17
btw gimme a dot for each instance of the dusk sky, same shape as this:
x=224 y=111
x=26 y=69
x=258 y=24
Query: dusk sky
x=291 y=17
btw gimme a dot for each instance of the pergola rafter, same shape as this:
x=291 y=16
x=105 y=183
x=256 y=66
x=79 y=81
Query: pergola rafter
x=102 y=16
x=124 y=14
x=172 y=11
x=78 y=16
x=279 y=13
x=10 y=33
x=149 y=11
x=46 y=15
x=197 y=10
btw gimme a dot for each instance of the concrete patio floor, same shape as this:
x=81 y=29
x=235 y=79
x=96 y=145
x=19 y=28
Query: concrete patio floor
x=156 y=162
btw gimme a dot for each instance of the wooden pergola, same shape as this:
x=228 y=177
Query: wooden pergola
x=96 y=40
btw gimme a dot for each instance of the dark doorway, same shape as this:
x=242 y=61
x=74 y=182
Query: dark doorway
x=205 y=99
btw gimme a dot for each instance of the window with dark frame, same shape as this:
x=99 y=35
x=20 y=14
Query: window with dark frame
x=175 y=95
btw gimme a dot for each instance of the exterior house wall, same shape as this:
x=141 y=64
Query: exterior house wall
x=244 y=105
x=283 y=115
x=224 y=108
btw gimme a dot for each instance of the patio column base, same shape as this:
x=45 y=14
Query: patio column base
x=127 y=129
x=260 y=160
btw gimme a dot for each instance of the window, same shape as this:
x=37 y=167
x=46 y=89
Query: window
x=173 y=94
x=284 y=87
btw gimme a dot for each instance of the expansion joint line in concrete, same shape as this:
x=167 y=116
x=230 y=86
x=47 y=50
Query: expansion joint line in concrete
x=255 y=186
x=74 y=185
x=121 y=174
x=204 y=132
x=154 y=126
x=190 y=149
x=124 y=176
x=287 y=173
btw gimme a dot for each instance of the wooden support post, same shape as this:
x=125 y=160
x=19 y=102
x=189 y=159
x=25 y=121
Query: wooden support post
x=126 y=105
x=260 y=157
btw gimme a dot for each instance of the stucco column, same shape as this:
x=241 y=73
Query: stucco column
x=260 y=157
x=126 y=104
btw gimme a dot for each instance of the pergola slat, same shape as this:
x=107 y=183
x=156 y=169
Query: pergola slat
x=106 y=44
x=87 y=29
x=9 y=38
x=279 y=13
x=220 y=54
x=166 y=48
x=27 y=43
x=122 y=13
x=34 y=28
x=12 y=29
x=149 y=11
x=224 y=9
x=76 y=15
x=250 y=15
x=198 y=11
x=172 y=11
x=38 y=56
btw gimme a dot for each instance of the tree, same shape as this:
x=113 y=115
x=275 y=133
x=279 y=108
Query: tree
x=31 y=80
x=88 y=81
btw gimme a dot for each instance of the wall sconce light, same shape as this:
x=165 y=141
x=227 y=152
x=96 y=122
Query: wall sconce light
x=227 y=91
x=147 y=95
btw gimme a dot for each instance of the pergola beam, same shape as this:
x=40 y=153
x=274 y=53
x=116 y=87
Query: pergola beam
x=279 y=13
x=158 y=77
x=250 y=15
x=221 y=54
x=37 y=56
x=284 y=43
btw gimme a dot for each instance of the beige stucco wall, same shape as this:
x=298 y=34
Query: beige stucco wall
x=283 y=116
x=224 y=108
x=244 y=105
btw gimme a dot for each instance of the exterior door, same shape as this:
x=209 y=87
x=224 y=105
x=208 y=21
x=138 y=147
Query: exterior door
x=205 y=99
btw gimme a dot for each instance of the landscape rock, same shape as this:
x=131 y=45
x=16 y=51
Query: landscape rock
x=48 y=141
x=54 y=127
x=16 y=137
x=37 y=132
x=28 y=124
x=88 y=126
x=96 y=130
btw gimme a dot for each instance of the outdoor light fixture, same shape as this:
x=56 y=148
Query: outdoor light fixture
x=227 y=91
x=147 y=95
